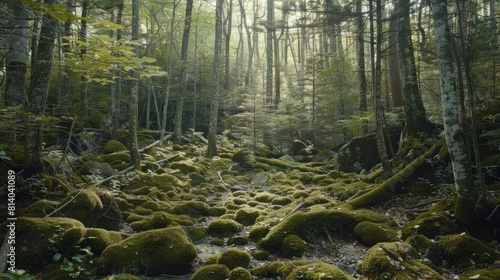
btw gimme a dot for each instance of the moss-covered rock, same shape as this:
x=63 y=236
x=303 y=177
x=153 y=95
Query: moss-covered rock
x=159 y=220
x=247 y=216
x=84 y=206
x=437 y=221
x=463 y=251
x=211 y=272
x=237 y=241
x=399 y=263
x=32 y=239
x=41 y=208
x=240 y=273
x=234 y=257
x=114 y=146
x=224 y=227
x=258 y=232
x=154 y=252
x=261 y=254
x=122 y=277
x=244 y=159
x=99 y=239
x=315 y=271
x=193 y=208
x=341 y=220
x=187 y=167
x=371 y=233
x=482 y=274
x=293 y=246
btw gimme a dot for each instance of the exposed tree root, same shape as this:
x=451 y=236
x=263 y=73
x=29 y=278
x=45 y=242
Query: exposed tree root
x=386 y=189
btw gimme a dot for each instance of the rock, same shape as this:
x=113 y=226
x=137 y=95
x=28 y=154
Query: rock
x=260 y=179
x=293 y=246
x=114 y=146
x=122 y=277
x=358 y=154
x=234 y=258
x=154 y=252
x=297 y=146
x=224 y=227
x=240 y=273
x=99 y=239
x=246 y=217
x=84 y=206
x=211 y=272
x=318 y=270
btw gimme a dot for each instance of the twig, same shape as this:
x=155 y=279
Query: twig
x=492 y=213
x=167 y=159
x=64 y=205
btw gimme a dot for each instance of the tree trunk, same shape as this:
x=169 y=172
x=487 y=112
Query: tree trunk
x=214 y=106
x=179 y=108
x=64 y=80
x=40 y=83
x=394 y=72
x=269 y=51
x=249 y=44
x=360 y=54
x=227 y=47
x=83 y=52
x=465 y=188
x=17 y=57
x=135 y=157
x=414 y=108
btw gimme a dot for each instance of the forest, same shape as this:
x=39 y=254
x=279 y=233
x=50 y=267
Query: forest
x=259 y=139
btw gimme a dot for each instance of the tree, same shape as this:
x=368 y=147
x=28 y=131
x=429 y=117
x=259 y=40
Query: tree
x=179 y=108
x=39 y=90
x=17 y=56
x=214 y=105
x=133 y=111
x=465 y=188
x=360 y=56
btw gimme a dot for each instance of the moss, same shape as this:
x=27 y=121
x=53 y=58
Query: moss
x=234 y=257
x=261 y=254
x=258 y=232
x=482 y=274
x=71 y=236
x=211 y=272
x=315 y=271
x=246 y=216
x=99 y=239
x=193 y=208
x=154 y=252
x=217 y=242
x=163 y=182
x=224 y=227
x=122 y=277
x=419 y=242
x=140 y=210
x=195 y=233
x=32 y=239
x=187 y=167
x=463 y=251
x=237 y=241
x=282 y=200
x=436 y=221
x=400 y=264
x=240 y=273
x=116 y=158
x=264 y=197
x=244 y=158
x=371 y=233
x=41 y=208
x=299 y=223
x=114 y=146
x=300 y=194
x=293 y=246
x=85 y=206
x=217 y=211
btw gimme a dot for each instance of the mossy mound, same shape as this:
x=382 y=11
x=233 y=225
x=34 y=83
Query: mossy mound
x=154 y=252
x=246 y=217
x=315 y=271
x=41 y=208
x=114 y=146
x=240 y=273
x=399 y=263
x=33 y=235
x=482 y=274
x=192 y=208
x=122 y=277
x=158 y=220
x=187 y=167
x=224 y=227
x=277 y=269
x=84 y=206
x=244 y=159
x=258 y=232
x=437 y=221
x=99 y=239
x=261 y=255
x=163 y=182
x=233 y=258
x=340 y=220
x=293 y=246
x=237 y=241
x=371 y=233
x=463 y=251
x=114 y=159
x=211 y=272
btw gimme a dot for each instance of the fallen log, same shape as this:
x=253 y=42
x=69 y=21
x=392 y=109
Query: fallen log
x=387 y=188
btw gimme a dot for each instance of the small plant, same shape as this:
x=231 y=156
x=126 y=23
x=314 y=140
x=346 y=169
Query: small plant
x=16 y=274
x=69 y=254
x=4 y=156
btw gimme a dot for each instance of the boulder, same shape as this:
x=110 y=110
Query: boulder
x=358 y=154
x=154 y=252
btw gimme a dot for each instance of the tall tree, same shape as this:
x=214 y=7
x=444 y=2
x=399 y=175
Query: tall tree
x=17 y=56
x=214 y=105
x=83 y=52
x=179 y=108
x=269 y=51
x=133 y=102
x=360 y=55
x=465 y=188
x=39 y=90
x=414 y=107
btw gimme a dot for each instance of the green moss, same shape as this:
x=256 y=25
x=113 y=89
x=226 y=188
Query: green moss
x=187 y=166
x=371 y=233
x=140 y=210
x=85 y=206
x=315 y=271
x=217 y=211
x=244 y=158
x=240 y=273
x=122 y=277
x=224 y=227
x=482 y=274
x=158 y=220
x=300 y=194
x=400 y=264
x=463 y=251
x=261 y=254
x=293 y=246
x=163 y=182
x=71 y=236
x=211 y=272
x=419 y=242
x=193 y=208
x=100 y=239
x=114 y=146
x=282 y=200
x=237 y=241
x=246 y=216
x=160 y=251
x=195 y=233
x=258 y=232
x=299 y=223
x=264 y=197
x=437 y=221
x=234 y=257
x=41 y=208
x=116 y=158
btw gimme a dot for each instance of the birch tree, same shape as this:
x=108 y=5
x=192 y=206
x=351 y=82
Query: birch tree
x=465 y=188
x=133 y=111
